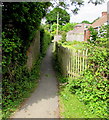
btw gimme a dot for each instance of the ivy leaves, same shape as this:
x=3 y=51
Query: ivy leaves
x=20 y=21
x=92 y=87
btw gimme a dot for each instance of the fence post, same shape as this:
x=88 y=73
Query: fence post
x=72 y=62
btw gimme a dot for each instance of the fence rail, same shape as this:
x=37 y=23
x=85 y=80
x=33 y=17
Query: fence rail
x=71 y=61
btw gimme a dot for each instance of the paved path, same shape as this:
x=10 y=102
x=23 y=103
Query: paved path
x=43 y=103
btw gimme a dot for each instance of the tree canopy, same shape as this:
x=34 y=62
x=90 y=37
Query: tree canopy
x=95 y=20
x=68 y=27
x=64 y=17
x=75 y=3
x=85 y=21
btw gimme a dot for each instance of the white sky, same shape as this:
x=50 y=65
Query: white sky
x=89 y=12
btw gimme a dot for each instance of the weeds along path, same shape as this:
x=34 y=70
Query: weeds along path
x=43 y=102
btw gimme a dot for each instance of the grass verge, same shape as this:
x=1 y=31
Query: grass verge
x=69 y=104
x=71 y=107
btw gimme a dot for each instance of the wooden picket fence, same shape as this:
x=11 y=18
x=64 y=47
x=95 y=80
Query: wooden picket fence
x=71 y=61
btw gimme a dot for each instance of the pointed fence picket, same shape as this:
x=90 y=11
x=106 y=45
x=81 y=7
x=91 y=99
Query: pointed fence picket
x=71 y=61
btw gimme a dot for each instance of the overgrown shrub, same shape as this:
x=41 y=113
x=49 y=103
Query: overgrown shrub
x=17 y=89
x=20 y=21
x=93 y=85
x=63 y=37
x=45 y=40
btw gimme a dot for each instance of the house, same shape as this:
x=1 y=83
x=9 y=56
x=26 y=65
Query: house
x=57 y=38
x=78 y=32
x=81 y=31
x=103 y=20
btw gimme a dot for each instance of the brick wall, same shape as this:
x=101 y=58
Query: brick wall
x=86 y=35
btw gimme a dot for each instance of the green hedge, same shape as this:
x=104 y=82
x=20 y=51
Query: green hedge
x=45 y=40
x=93 y=85
x=20 y=21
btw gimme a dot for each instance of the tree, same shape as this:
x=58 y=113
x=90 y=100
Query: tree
x=64 y=17
x=95 y=20
x=85 y=21
x=75 y=5
x=54 y=29
x=68 y=27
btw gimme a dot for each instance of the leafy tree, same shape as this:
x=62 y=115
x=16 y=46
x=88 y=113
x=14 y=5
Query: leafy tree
x=46 y=26
x=85 y=21
x=64 y=17
x=95 y=20
x=99 y=37
x=76 y=4
x=54 y=27
x=68 y=27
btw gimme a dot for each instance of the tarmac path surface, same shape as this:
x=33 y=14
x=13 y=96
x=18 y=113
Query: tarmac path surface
x=43 y=102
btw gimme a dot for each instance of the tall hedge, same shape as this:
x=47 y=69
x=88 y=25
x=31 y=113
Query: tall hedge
x=92 y=87
x=20 y=21
x=44 y=41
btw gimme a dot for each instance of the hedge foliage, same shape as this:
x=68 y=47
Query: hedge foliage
x=93 y=85
x=20 y=22
x=45 y=40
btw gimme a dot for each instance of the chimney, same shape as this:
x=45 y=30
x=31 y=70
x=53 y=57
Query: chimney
x=104 y=13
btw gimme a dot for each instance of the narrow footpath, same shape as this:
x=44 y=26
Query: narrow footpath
x=43 y=102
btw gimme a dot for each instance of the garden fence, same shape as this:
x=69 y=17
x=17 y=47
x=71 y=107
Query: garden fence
x=71 y=61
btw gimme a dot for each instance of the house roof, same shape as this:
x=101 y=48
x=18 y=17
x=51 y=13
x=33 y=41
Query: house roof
x=100 y=21
x=79 y=28
x=108 y=18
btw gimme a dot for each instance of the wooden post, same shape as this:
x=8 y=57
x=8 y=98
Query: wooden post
x=83 y=61
x=78 y=61
x=57 y=22
x=69 y=61
x=86 y=60
x=73 y=62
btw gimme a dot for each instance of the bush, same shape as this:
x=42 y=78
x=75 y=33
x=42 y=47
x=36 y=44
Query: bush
x=63 y=37
x=45 y=40
x=18 y=87
x=20 y=21
x=92 y=86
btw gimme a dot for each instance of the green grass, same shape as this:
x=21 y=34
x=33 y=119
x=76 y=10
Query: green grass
x=71 y=107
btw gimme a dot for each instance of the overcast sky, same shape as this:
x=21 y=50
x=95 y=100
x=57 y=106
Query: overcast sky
x=89 y=12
